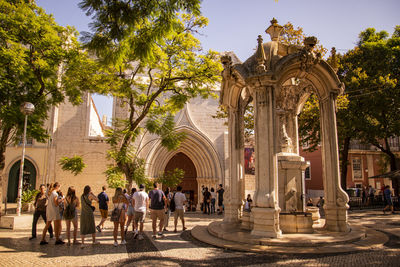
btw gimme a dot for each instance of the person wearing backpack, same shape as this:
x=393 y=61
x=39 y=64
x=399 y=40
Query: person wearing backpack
x=168 y=194
x=158 y=207
x=179 y=200
x=71 y=203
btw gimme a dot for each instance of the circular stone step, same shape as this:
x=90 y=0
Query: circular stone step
x=230 y=236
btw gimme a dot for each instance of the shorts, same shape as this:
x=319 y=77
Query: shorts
x=157 y=214
x=139 y=217
x=104 y=213
x=178 y=213
x=131 y=211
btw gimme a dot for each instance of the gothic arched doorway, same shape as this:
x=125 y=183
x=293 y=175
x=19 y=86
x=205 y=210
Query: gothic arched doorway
x=189 y=182
x=28 y=182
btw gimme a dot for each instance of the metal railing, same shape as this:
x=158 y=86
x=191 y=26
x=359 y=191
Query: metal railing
x=371 y=203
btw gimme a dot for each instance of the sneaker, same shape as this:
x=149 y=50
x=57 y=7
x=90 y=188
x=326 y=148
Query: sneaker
x=98 y=229
x=154 y=236
x=140 y=237
x=165 y=230
x=96 y=243
x=82 y=246
x=123 y=242
x=115 y=244
x=43 y=242
x=51 y=236
x=184 y=228
x=60 y=242
x=135 y=235
x=33 y=237
x=160 y=234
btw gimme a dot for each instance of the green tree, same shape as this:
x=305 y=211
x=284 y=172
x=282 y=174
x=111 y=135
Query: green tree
x=74 y=164
x=133 y=27
x=154 y=86
x=35 y=54
x=371 y=73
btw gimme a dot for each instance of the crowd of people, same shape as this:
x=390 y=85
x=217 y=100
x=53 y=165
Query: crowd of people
x=129 y=209
x=209 y=200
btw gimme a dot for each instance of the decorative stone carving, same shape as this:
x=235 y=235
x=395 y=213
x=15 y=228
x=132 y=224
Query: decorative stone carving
x=260 y=56
x=307 y=57
x=261 y=97
x=274 y=30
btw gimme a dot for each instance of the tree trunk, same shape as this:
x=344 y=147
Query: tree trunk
x=393 y=165
x=345 y=156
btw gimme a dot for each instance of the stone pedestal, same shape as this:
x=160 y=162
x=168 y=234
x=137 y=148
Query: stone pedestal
x=266 y=222
x=245 y=225
x=290 y=175
x=336 y=218
x=314 y=214
x=300 y=222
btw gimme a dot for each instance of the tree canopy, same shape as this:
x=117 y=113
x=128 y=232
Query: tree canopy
x=35 y=56
x=153 y=69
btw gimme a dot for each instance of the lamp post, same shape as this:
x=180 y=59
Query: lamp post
x=27 y=109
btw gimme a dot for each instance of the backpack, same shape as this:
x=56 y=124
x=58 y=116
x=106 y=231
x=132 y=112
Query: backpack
x=69 y=212
x=172 y=204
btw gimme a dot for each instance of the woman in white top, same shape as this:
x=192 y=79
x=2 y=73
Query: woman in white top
x=213 y=197
x=53 y=214
x=119 y=201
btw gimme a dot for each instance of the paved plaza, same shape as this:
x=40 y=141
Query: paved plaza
x=181 y=249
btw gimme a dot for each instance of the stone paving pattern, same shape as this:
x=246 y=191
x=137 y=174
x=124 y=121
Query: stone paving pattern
x=180 y=249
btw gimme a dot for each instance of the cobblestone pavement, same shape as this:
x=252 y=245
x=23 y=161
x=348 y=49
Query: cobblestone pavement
x=180 y=249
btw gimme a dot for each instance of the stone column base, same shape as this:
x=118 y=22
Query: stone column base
x=231 y=213
x=266 y=222
x=336 y=219
x=245 y=225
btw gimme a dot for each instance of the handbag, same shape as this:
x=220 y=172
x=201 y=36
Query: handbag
x=116 y=214
x=92 y=207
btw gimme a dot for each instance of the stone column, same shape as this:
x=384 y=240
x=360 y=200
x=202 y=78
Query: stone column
x=232 y=190
x=266 y=211
x=335 y=198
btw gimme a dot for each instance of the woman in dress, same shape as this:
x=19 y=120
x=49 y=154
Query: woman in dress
x=53 y=214
x=87 y=217
x=119 y=201
x=71 y=203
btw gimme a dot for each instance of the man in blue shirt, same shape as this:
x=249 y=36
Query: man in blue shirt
x=103 y=207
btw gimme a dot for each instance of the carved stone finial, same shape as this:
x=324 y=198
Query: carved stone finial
x=260 y=55
x=226 y=60
x=310 y=42
x=274 y=30
x=333 y=60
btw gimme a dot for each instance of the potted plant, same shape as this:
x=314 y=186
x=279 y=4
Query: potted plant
x=27 y=198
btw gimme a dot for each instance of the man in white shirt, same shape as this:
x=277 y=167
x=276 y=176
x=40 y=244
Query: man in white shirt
x=180 y=201
x=140 y=202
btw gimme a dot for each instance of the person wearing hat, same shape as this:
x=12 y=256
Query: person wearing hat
x=140 y=202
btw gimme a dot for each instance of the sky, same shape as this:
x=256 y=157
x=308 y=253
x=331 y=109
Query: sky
x=235 y=24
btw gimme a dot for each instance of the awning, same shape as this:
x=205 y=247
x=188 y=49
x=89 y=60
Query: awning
x=392 y=175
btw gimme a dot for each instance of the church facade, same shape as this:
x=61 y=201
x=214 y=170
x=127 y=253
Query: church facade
x=78 y=130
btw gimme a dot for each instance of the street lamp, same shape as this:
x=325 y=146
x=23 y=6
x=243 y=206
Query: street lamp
x=27 y=109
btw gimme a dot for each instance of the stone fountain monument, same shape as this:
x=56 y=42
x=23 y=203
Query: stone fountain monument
x=279 y=78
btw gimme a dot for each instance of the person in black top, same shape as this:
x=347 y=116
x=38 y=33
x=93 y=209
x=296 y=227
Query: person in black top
x=207 y=201
x=220 y=192
x=40 y=210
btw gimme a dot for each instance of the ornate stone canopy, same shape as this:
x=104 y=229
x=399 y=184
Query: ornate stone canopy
x=280 y=78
